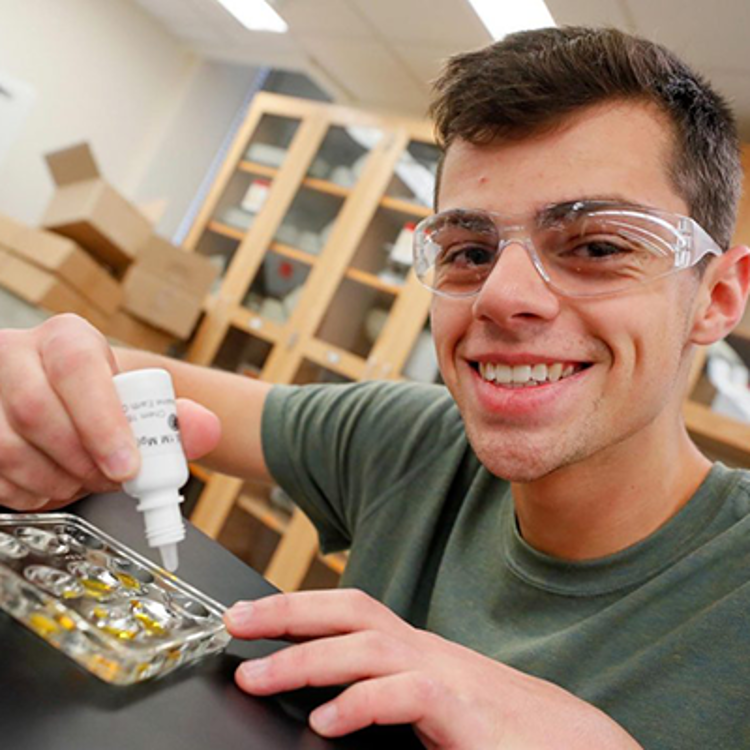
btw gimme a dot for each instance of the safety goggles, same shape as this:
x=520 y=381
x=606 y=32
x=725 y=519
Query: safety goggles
x=580 y=249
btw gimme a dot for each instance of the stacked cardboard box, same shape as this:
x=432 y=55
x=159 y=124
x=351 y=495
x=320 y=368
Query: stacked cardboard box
x=91 y=236
x=88 y=210
x=63 y=258
x=39 y=288
x=126 y=329
x=38 y=267
x=166 y=287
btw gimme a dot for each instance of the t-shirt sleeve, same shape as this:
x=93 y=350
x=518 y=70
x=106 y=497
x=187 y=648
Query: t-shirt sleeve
x=340 y=450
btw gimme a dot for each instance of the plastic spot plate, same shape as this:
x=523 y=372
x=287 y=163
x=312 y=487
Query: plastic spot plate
x=120 y=616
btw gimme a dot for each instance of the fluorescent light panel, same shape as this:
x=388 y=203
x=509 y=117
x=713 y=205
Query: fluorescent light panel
x=256 y=15
x=503 y=17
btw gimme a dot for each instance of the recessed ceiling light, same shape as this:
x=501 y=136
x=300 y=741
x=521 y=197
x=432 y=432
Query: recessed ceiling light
x=256 y=15
x=503 y=17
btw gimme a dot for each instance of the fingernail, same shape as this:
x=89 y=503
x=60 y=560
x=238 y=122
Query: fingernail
x=254 y=670
x=120 y=464
x=323 y=718
x=239 y=614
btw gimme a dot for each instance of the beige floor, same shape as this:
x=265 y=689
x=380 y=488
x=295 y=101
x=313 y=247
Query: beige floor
x=15 y=313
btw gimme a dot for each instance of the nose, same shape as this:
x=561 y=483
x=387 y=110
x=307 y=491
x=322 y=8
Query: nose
x=515 y=292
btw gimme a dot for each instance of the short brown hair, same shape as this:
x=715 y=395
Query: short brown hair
x=531 y=80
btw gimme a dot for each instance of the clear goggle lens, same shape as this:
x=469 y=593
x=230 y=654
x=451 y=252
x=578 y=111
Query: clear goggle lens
x=578 y=251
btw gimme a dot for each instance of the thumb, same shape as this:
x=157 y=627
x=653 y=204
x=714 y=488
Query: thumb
x=200 y=428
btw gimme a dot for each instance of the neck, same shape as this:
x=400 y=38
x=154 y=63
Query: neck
x=624 y=493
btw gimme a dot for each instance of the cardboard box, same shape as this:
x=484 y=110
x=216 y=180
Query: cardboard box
x=128 y=330
x=190 y=272
x=9 y=231
x=86 y=209
x=44 y=290
x=166 y=287
x=155 y=300
x=65 y=259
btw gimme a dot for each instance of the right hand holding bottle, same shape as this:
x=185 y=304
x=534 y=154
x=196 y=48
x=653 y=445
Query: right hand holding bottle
x=62 y=430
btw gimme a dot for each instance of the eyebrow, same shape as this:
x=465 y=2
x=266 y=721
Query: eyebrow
x=556 y=211
x=548 y=214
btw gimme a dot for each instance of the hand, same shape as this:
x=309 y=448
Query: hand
x=453 y=697
x=62 y=430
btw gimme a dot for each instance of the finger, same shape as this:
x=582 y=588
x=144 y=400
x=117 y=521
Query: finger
x=57 y=504
x=307 y=614
x=30 y=470
x=200 y=428
x=440 y=718
x=12 y=496
x=35 y=412
x=327 y=661
x=80 y=370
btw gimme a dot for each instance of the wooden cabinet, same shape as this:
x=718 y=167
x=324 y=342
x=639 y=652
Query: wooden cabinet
x=308 y=219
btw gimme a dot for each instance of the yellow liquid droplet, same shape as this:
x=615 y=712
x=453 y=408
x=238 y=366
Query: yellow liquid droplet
x=105 y=668
x=43 y=625
x=66 y=622
x=128 y=581
x=150 y=624
x=97 y=589
x=123 y=635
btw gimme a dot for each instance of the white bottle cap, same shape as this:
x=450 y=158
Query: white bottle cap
x=169 y=558
x=162 y=517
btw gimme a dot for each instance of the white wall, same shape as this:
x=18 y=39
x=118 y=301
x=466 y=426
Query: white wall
x=191 y=138
x=106 y=72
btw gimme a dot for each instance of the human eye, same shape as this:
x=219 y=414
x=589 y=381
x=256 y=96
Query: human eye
x=465 y=257
x=601 y=257
x=462 y=267
x=600 y=250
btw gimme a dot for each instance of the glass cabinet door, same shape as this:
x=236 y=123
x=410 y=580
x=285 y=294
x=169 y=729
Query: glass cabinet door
x=243 y=196
x=304 y=230
x=414 y=177
x=243 y=352
x=362 y=332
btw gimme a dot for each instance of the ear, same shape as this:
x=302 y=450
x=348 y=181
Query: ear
x=722 y=296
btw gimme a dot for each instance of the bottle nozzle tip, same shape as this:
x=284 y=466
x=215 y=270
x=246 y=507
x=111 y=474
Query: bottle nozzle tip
x=169 y=557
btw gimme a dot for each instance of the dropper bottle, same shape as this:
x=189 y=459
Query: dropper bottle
x=148 y=401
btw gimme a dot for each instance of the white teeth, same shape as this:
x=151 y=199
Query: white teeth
x=525 y=375
x=539 y=373
x=503 y=374
x=521 y=373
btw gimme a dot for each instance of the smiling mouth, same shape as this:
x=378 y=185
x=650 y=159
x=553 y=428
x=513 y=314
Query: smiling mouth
x=527 y=376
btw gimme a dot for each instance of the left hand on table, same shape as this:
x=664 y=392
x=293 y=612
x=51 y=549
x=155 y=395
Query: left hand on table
x=453 y=697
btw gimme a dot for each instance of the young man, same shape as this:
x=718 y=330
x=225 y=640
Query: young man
x=547 y=559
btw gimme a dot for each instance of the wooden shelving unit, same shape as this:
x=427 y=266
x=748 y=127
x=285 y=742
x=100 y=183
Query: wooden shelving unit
x=250 y=325
x=226 y=231
x=252 y=167
x=287 y=251
x=405 y=207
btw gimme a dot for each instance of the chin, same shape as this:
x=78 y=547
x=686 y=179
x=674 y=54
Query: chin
x=522 y=462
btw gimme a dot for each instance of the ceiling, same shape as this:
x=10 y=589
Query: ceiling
x=382 y=54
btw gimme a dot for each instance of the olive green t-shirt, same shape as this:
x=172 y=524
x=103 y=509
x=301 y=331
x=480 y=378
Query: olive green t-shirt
x=657 y=635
